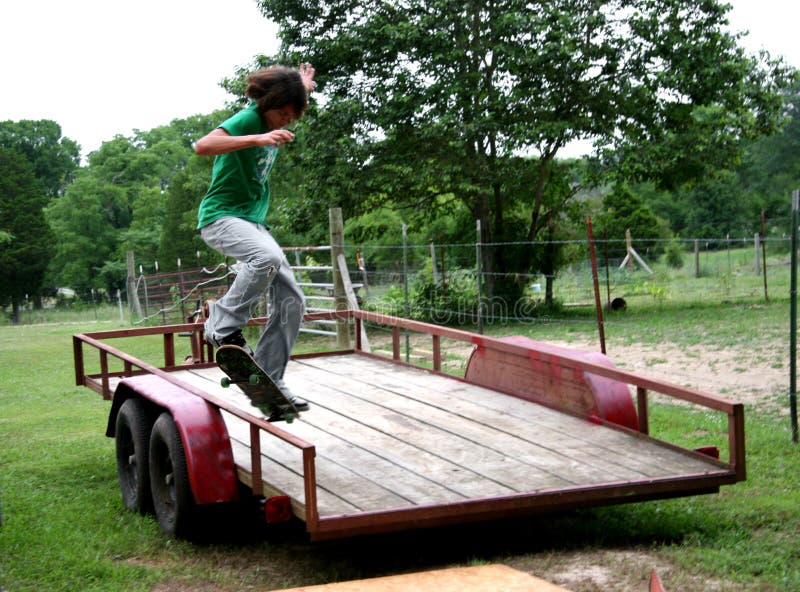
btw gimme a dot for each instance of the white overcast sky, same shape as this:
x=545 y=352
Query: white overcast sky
x=106 y=67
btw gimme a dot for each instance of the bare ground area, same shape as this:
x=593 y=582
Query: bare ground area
x=756 y=375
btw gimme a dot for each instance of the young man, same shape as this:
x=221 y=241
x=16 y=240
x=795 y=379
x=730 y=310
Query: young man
x=231 y=217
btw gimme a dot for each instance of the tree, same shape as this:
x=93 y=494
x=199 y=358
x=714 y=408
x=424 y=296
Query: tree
x=179 y=238
x=54 y=158
x=624 y=210
x=426 y=98
x=26 y=253
x=86 y=223
x=183 y=191
x=717 y=206
x=120 y=201
x=770 y=169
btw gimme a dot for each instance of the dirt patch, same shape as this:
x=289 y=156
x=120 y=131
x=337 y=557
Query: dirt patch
x=757 y=376
x=620 y=571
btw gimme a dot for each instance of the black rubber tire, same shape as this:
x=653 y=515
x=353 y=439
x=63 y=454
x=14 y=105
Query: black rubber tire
x=132 y=437
x=169 y=479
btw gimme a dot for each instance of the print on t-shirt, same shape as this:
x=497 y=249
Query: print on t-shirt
x=264 y=162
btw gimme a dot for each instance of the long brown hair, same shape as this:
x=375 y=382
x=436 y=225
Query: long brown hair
x=277 y=87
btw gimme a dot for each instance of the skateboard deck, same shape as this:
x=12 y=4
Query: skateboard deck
x=243 y=371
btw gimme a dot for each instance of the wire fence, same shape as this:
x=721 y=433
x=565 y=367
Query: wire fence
x=688 y=271
x=474 y=283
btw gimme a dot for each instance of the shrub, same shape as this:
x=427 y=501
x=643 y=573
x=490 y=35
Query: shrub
x=673 y=255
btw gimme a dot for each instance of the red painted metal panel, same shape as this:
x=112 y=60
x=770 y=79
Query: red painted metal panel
x=553 y=381
x=209 y=458
x=655 y=583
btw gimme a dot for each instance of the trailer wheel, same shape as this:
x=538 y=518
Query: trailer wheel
x=132 y=448
x=169 y=478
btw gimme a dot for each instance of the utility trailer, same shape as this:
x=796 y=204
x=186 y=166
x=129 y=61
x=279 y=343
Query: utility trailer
x=388 y=445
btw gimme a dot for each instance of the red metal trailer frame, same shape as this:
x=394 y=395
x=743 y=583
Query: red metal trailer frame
x=214 y=474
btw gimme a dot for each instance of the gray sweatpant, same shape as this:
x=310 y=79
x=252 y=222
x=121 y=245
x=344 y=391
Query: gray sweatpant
x=262 y=265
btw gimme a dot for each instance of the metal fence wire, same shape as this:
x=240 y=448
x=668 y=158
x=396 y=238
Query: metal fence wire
x=472 y=283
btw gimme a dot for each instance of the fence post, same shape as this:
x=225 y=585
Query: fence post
x=444 y=271
x=133 y=297
x=434 y=269
x=728 y=249
x=479 y=267
x=758 y=253
x=340 y=297
x=596 y=283
x=628 y=245
x=793 y=320
x=608 y=278
x=696 y=258
x=764 y=252
x=181 y=289
x=146 y=295
x=362 y=267
x=405 y=285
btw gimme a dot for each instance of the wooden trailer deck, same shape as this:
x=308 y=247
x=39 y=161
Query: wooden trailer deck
x=388 y=446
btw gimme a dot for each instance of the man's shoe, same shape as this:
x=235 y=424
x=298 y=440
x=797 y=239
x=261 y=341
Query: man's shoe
x=299 y=404
x=235 y=338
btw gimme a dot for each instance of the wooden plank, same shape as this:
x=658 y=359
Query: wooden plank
x=389 y=436
x=414 y=428
x=639 y=453
x=511 y=459
x=557 y=431
x=278 y=481
x=367 y=464
x=338 y=480
x=282 y=464
x=443 y=473
x=439 y=474
x=360 y=468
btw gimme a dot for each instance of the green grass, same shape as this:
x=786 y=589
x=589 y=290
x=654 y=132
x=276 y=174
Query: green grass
x=723 y=275
x=724 y=325
x=64 y=526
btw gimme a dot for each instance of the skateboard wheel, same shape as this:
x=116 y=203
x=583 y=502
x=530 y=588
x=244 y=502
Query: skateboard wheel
x=225 y=382
x=254 y=379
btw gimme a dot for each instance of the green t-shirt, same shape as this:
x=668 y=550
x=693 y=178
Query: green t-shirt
x=240 y=179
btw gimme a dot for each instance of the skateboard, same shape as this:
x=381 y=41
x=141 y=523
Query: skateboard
x=243 y=371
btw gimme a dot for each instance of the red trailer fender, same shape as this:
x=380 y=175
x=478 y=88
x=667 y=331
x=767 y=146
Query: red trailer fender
x=209 y=457
x=537 y=377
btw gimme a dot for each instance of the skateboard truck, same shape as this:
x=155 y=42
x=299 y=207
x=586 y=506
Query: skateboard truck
x=226 y=381
x=273 y=414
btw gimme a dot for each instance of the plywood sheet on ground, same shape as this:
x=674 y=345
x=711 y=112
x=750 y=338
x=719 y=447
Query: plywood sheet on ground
x=484 y=578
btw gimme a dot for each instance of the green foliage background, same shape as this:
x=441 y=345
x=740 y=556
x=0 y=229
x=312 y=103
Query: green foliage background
x=420 y=119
